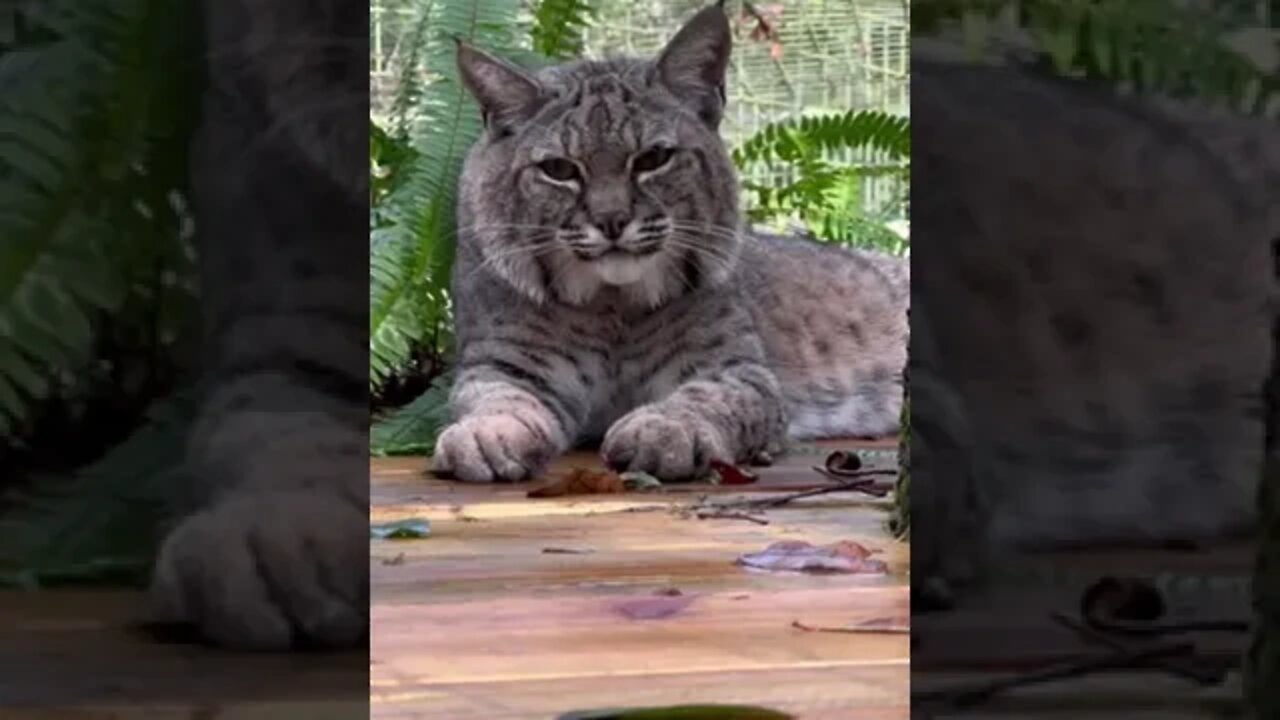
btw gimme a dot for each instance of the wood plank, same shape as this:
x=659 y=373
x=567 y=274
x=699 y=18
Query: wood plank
x=1008 y=630
x=477 y=621
x=74 y=654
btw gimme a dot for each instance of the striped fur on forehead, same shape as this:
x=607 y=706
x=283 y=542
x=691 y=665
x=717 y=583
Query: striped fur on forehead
x=602 y=105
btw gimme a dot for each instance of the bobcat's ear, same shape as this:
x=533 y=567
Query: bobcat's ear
x=506 y=94
x=693 y=64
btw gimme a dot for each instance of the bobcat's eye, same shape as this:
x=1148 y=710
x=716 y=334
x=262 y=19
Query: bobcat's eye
x=652 y=159
x=559 y=169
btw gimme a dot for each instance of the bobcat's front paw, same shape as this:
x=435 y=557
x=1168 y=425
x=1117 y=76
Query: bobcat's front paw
x=268 y=571
x=488 y=448
x=667 y=446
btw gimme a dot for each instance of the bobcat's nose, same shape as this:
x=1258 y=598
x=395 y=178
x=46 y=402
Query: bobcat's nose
x=613 y=224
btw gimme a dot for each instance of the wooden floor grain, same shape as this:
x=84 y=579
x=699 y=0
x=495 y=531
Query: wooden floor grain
x=479 y=621
x=74 y=654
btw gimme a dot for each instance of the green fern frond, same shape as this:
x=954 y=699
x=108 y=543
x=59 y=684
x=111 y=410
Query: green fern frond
x=821 y=193
x=410 y=82
x=788 y=140
x=105 y=518
x=412 y=429
x=558 y=27
x=1154 y=46
x=411 y=256
x=86 y=178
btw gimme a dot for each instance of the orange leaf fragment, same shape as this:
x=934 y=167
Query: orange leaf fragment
x=581 y=481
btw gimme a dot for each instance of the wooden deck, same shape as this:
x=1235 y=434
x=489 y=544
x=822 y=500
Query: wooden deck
x=73 y=654
x=1009 y=631
x=481 y=621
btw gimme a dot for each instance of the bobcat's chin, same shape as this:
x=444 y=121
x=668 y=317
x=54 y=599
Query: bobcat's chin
x=620 y=268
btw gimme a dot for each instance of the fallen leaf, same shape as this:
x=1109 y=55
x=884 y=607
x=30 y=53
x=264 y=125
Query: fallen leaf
x=670 y=591
x=655 y=607
x=799 y=556
x=397 y=560
x=409 y=529
x=731 y=474
x=581 y=481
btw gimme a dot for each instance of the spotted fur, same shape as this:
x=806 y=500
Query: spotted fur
x=1091 y=316
x=605 y=287
x=274 y=551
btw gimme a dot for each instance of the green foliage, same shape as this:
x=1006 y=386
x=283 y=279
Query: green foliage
x=91 y=120
x=823 y=195
x=557 y=27
x=1153 y=46
x=412 y=429
x=411 y=244
x=794 y=139
x=98 y=103
x=99 y=525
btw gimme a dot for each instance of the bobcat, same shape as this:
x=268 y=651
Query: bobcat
x=1091 y=318
x=606 y=289
x=275 y=552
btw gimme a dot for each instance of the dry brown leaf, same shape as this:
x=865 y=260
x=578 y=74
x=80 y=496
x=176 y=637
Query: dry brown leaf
x=581 y=481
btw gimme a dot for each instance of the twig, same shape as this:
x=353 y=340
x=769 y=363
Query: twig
x=762 y=23
x=1182 y=667
x=719 y=514
x=965 y=695
x=868 y=487
x=855 y=629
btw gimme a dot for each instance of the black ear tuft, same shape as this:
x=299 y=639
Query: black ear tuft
x=694 y=63
x=506 y=94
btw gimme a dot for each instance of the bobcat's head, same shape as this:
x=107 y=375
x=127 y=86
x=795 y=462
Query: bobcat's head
x=598 y=174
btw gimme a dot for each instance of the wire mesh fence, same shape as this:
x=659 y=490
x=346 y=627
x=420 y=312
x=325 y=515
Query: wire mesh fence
x=791 y=58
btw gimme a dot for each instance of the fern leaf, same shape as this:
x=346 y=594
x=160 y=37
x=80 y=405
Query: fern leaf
x=856 y=129
x=558 y=27
x=82 y=140
x=412 y=254
x=1153 y=46
x=105 y=514
x=412 y=429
